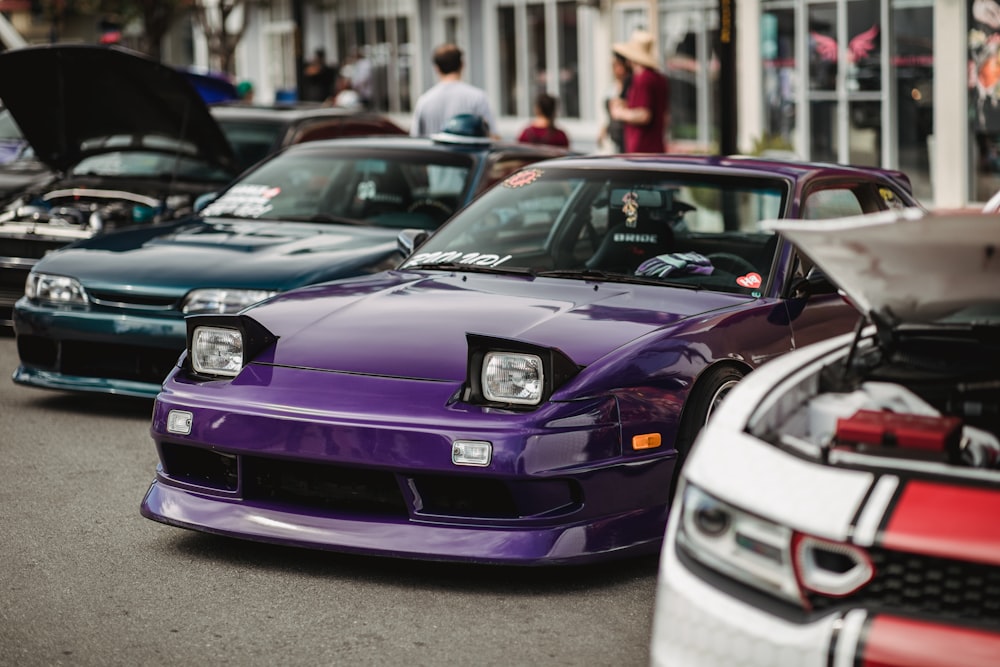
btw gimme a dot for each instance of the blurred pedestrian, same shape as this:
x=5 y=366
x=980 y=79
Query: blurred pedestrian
x=614 y=130
x=542 y=129
x=645 y=110
x=450 y=96
x=318 y=78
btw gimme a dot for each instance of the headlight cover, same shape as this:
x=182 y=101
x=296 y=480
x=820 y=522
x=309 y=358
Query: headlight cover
x=766 y=555
x=218 y=300
x=59 y=290
x=219 y=346
x=512 y=374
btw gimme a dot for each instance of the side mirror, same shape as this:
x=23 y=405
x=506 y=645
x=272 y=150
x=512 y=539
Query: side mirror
x=815 y=282
x=409 y=239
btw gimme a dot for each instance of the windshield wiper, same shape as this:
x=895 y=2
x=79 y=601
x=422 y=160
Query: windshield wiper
x=594 y=274
x=324 y=217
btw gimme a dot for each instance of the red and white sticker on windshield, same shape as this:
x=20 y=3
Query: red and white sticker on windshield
x=522 y=178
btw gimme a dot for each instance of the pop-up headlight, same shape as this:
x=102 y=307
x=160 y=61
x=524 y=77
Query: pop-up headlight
x=220 y=346
x=507 y=373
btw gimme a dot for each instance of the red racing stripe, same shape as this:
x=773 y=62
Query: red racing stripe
x=946 y=521
x=897 y=642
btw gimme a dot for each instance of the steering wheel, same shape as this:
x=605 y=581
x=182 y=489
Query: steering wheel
x=433 y=208
x=731 y=263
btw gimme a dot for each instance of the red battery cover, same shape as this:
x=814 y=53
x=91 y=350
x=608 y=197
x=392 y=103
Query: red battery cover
x=931 y=435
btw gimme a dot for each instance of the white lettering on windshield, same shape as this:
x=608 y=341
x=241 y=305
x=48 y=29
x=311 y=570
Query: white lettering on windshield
x=457 y=257
x=245 y=201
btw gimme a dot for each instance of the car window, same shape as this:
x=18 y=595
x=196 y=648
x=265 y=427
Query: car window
x=148 y=164
x=347 y=127
x=831 y=203
x=385 y=188
x=251 y=141
x=634 y=225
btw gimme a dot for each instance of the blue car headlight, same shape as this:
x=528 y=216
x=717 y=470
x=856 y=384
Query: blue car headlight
x=212 y=300
x=59 y=290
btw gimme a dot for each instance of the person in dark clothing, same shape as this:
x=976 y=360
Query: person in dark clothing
x=645 y=111
x=318 y=78
x=542 y=129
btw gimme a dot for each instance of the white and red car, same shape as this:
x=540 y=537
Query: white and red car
x=842 y=506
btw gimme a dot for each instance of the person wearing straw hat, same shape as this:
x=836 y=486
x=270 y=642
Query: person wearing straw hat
x=644 y=111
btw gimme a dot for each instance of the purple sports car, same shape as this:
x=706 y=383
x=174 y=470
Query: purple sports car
x=523 y=388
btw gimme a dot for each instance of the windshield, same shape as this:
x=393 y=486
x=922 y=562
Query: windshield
x=149 y=164
x=399 y=189
x=632 y=225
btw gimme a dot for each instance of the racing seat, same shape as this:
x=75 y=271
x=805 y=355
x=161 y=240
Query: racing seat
x=624 y=248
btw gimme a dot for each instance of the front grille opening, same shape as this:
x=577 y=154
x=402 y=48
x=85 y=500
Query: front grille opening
x=116 y=361
x=203 y=467
x=449 y=495
x=916 y=584
x=321 y=486
x=37 y=351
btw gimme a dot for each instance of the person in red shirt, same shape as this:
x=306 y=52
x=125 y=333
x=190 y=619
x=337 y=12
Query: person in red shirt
x=645 y=111
x=542 y=129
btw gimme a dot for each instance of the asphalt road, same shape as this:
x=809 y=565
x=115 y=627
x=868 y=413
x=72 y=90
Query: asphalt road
x=85 y=580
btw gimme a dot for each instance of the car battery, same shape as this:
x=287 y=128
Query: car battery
x=885 y=433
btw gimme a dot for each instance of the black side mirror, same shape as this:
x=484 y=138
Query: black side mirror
x=409 y=239
x=815 y=282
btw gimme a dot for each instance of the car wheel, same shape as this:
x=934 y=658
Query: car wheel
x=707 y=395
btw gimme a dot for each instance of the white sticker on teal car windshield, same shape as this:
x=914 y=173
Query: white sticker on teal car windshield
x=245 y=201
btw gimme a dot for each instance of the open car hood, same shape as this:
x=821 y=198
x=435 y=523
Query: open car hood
x=906 y=266
x=66 y=96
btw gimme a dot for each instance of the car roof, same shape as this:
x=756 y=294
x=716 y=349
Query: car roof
x=406 y=142
x=64 y=96
x=748 y=166
x=284 y=112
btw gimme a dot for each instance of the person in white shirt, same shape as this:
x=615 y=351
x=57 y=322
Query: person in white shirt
x=450 y=96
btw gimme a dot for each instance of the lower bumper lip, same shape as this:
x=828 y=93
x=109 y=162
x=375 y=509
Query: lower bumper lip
x=575 y=543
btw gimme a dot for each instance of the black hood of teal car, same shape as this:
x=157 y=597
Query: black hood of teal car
x=414 y=324
x=64 y=97
x=171 y=259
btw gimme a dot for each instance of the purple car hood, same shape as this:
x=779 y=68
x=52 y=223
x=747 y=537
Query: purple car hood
x=415 y=325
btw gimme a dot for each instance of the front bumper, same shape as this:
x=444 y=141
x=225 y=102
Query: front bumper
x=700 y=624
x=364 y=464
x=96 y=351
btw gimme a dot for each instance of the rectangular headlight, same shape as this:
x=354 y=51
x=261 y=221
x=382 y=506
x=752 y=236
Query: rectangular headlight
x=513 y=377
x=217 y=351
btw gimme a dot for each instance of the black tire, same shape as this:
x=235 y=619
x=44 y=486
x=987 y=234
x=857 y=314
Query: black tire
x=706 y=396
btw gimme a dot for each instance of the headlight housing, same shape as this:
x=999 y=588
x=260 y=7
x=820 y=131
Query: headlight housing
x=512 y=374
x=59 y=290
x=766 y=555
x=219 y=346
x=218 y=300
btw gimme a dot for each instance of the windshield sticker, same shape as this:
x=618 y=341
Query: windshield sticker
x=630 y=207
x=750 y=280
x=245 y=201
x=457 y=257
x=522 y=178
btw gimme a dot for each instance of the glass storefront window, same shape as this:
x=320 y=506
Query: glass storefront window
x=984 y=102
x=688 y=36
x=778 y=55
x=545 y=58
x=384 y=41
